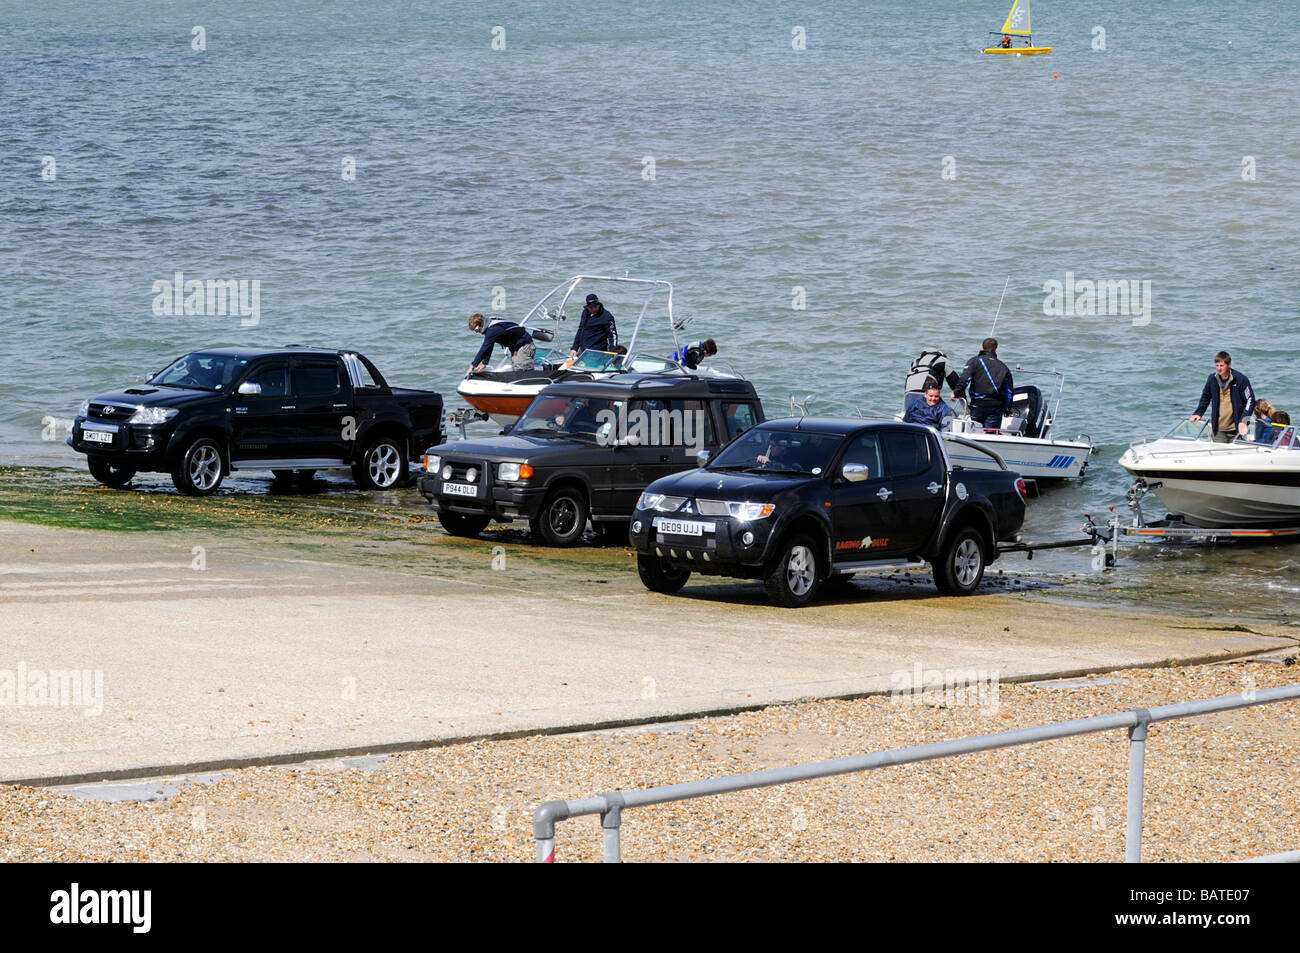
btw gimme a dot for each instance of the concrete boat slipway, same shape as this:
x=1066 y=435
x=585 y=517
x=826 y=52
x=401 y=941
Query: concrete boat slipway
x=259 y=630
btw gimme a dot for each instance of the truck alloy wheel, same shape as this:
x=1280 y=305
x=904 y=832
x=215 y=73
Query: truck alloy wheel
x=382 y=466
x=961 y=566
x=198 y=470
x=794 y=577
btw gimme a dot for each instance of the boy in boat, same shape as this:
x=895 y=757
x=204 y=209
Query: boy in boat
x=1006 y=42
x=928 y=409
x=988 y=385
x=596 y=330
x=690 y=355
x=513 y=337
x=1233 y=400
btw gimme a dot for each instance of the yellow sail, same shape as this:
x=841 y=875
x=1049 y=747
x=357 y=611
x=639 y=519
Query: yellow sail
x=1017 y=20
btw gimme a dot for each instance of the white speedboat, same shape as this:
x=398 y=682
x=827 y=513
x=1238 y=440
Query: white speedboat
x=1253 y=481
x=504 y=393
x=1025 y=440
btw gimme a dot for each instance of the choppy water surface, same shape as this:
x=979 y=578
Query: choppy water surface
x=774 y=169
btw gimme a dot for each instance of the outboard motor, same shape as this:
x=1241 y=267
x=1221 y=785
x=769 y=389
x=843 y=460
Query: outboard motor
x=1027 y=412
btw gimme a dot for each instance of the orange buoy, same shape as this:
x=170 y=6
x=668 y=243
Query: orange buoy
x=1055 y=76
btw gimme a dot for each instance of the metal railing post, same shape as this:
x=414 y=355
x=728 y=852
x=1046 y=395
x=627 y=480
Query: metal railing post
x=1137 y=745
x=610 y=820
x=544 y=819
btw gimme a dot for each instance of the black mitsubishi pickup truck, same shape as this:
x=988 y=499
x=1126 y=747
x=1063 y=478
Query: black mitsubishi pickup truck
x=802 y=502
x=585 y=450
x=291 y=410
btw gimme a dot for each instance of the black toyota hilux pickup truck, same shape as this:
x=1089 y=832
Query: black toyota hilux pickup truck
x=798 y=502
x=585 y=450
x=291 y=410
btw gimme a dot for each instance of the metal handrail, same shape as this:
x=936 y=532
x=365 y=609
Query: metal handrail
x=610 y=806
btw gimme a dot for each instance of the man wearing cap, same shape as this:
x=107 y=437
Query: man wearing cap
x=596 y=331
x=1233 y=400
x=513 y=337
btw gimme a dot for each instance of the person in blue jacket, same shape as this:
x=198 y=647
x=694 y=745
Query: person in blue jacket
x=596 y=330
x=928 y=409
x=1233 y=399
x=988 y=386
x=690 y=355
x=513 y=337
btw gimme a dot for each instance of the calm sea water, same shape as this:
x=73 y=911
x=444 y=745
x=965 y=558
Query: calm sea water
x=821 y=169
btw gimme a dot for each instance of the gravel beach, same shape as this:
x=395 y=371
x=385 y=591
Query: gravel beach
x=1218 y=788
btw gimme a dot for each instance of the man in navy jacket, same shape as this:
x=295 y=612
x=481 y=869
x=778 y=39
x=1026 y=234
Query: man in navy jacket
x=513 y=337
x=1233 y=400
x=596 y=331
x=988 y=386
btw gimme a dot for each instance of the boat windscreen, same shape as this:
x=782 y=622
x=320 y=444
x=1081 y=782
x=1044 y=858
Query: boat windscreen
x=1190 y=430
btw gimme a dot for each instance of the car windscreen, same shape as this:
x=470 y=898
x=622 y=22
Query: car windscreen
x=586 y=418
x=776 y=450
x=199 y=371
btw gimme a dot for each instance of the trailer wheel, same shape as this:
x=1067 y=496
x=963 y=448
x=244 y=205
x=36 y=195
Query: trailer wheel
x=961 y=565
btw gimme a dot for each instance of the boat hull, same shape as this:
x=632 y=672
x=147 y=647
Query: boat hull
x=1222 y=488
x=1037 y=459
x=504 y=403
x=1020 y=51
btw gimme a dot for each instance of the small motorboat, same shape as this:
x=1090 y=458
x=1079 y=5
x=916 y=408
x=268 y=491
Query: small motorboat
x=503 y=393
x=1024 y=441
x=1253 y=481
x=1017 y=25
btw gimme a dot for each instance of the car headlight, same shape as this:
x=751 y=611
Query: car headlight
x=153 y=415
x=508 y=472
x=431 y=462
x=446 y=472
x=84 y=409
x=471 y=475
x=649 y=501
x=750 y=511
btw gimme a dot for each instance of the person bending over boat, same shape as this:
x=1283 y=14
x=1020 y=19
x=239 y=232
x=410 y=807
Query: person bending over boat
x=1233 y=400
x=513 y=337
x=690 y=355
x=988 y=385
x=596 y=330
x=928 y=409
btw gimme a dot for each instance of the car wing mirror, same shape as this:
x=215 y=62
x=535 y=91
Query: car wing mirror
x=249 y=389
x=856 y=472
x=702 y=458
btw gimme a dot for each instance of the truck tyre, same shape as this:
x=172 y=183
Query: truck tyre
x=562 y=518
x=961 y=564
x=793 y=578
x=382 y=465
x=463 y=524
x=659 y=576
x=198 y=470
x=108 y=474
